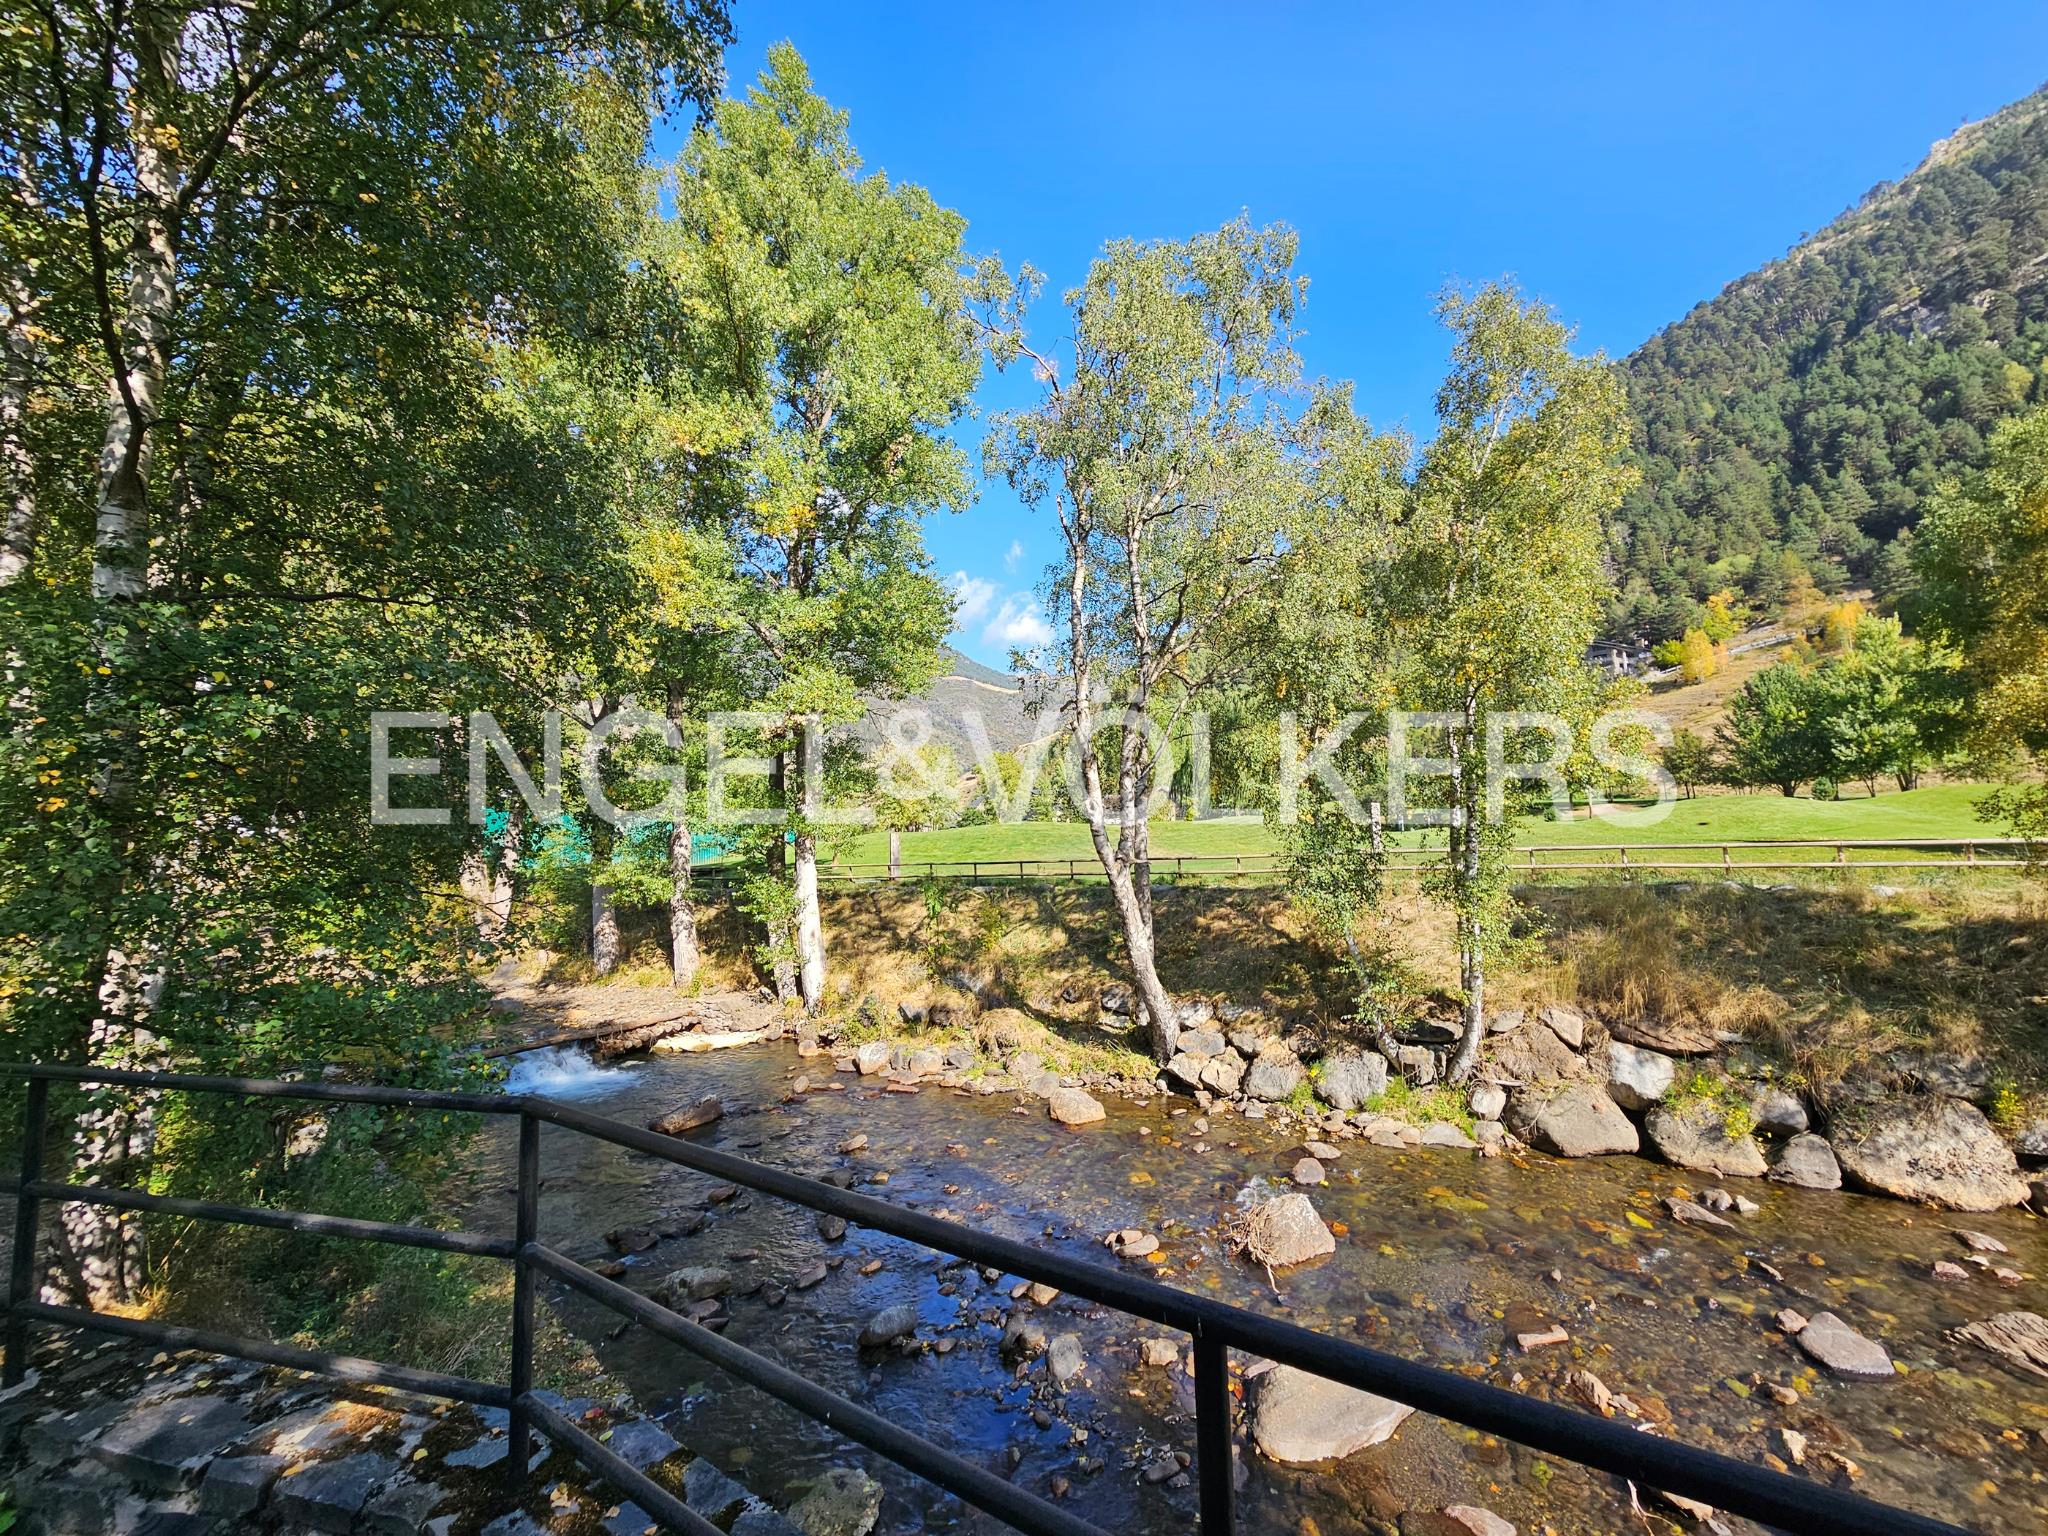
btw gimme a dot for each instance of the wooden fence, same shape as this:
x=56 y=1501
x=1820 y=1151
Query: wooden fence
x=1810 y=854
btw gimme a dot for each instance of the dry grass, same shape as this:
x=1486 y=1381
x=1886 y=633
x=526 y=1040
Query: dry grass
x=1828 y=977
x=1826 y=974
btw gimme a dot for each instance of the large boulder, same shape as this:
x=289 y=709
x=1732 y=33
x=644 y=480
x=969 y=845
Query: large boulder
x=1201 y=1043
x=1573 y=1120
x=1533 y=1055
x=1223 y=1074
x=1303 y=1418
x=1186 y=1070
x=1286 y=1230
x=889 y=1325
x=1930 y=1148
x=1071 y=1106
x=872 y=1058
x=1778 y=1111
x=1695 y=1135
x=1807 y=1162
x=1565 y=1022
x=1674 y=1037
x=1350 y=1079
x=1273 y=1077
x=1636 y=1076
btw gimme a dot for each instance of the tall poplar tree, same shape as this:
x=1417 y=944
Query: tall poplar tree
x=828 y=340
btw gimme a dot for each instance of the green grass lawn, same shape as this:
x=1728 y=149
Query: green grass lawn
x=1942 y=810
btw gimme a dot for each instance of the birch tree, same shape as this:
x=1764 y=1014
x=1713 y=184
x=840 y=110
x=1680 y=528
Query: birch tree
x=1497 y=579
x=289 y=262
x=1180 y=453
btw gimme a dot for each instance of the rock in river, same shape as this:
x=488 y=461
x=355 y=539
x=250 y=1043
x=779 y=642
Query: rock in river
x=1287 y=1230
x=1071 y=1106
x=696 y=1116
x=843 y=1502
x=1842 y=1349
x=1807 y=1162
x=1929 y=1148
x=1273 y=1077
x=1576 y=1120
x=889 y=1325
x=1303 y=1418
x=1479 y=1521
x=1696 y=1135
x=2021 y=1337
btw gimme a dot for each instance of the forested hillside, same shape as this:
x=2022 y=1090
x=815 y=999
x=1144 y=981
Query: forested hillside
x=1799 y=418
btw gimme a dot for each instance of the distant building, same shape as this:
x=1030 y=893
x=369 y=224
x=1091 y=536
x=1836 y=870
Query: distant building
x=1620 y=658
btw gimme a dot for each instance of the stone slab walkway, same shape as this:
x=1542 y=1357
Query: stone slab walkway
x=116 y=1440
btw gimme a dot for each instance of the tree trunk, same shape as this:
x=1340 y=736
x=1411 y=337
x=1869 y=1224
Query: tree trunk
x=510 y=849
x=683 y=955
x=17 y=467
x=781 y=945
x=810 y=932
x=1162 y=1022
x=1467 y=794
x=117 y=1130
x=604 y=930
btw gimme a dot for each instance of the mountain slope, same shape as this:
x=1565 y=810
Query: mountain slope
x=1809 y=408
x=964 y=696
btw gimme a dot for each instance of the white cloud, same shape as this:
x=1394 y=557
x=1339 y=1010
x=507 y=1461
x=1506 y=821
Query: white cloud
x=972 y=598
x=1013 y=554
x=1018 y=623
x=1010 y=620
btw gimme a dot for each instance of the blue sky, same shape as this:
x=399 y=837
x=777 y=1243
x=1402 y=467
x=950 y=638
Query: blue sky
x=1623 y=163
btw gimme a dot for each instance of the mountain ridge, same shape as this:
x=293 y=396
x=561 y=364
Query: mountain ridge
x=1809 y=407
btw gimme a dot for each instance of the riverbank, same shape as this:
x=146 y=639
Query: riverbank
x=1894 y=1038
x=1434 y=1253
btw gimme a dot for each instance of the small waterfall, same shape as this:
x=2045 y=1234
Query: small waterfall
x=564 y=1072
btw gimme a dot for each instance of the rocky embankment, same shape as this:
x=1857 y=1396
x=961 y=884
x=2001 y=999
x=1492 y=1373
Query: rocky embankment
x=1551 y=1079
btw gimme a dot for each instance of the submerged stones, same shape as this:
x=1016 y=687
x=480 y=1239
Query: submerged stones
x=1303 y=1418
x=1929 y=1148
x=1073 y=1106
x=1286 y=1230
x=2021 y=1338
x=842 y=1502
x=1574 y=1120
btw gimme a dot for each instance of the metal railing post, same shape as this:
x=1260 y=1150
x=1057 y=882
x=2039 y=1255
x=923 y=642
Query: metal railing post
x=525 y=1225
x=21 y=1281
x=1212 y=1437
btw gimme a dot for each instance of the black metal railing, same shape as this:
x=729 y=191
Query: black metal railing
x=1776 y=1499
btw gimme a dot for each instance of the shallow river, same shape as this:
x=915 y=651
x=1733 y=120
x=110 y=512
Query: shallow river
x=1441 y=1256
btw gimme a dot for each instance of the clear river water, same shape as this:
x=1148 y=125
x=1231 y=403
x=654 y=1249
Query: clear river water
x=1441 y=1256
